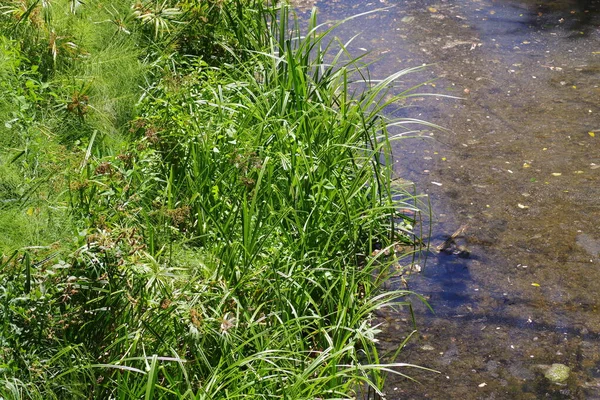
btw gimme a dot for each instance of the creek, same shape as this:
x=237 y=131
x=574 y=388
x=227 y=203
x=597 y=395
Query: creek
x=519 y=166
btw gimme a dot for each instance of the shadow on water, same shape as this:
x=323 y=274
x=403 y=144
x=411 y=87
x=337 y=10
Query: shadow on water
x=452 y=274
x=514 y=18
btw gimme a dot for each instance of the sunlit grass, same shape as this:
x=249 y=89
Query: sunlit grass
x=223 y=218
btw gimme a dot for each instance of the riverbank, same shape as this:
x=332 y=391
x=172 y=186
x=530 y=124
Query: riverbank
x=194 y=204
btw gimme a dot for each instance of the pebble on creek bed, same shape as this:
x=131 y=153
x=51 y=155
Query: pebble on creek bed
x=557 y=373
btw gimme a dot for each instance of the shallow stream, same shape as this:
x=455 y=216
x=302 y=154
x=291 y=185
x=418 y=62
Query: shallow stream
x=519 y=166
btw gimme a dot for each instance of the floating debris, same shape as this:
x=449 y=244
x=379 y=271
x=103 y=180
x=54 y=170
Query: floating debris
x=450 y=245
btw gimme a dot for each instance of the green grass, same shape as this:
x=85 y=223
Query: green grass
x=194 y=219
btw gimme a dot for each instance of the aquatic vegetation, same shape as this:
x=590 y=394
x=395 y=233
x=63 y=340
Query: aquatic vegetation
x=557 y=373
x=219 y=204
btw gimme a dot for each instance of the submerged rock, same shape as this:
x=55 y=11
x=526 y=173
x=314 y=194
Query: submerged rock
x=557 y=373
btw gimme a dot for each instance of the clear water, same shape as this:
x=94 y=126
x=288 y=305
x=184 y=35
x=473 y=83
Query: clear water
x=520 y=165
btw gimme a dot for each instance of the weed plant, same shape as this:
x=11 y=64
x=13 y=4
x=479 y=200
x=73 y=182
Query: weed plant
x=198 y=204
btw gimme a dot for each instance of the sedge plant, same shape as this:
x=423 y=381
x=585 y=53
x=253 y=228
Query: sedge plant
x=232 y=243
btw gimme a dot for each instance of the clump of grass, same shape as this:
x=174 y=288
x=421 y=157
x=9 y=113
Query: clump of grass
x=230 y=249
